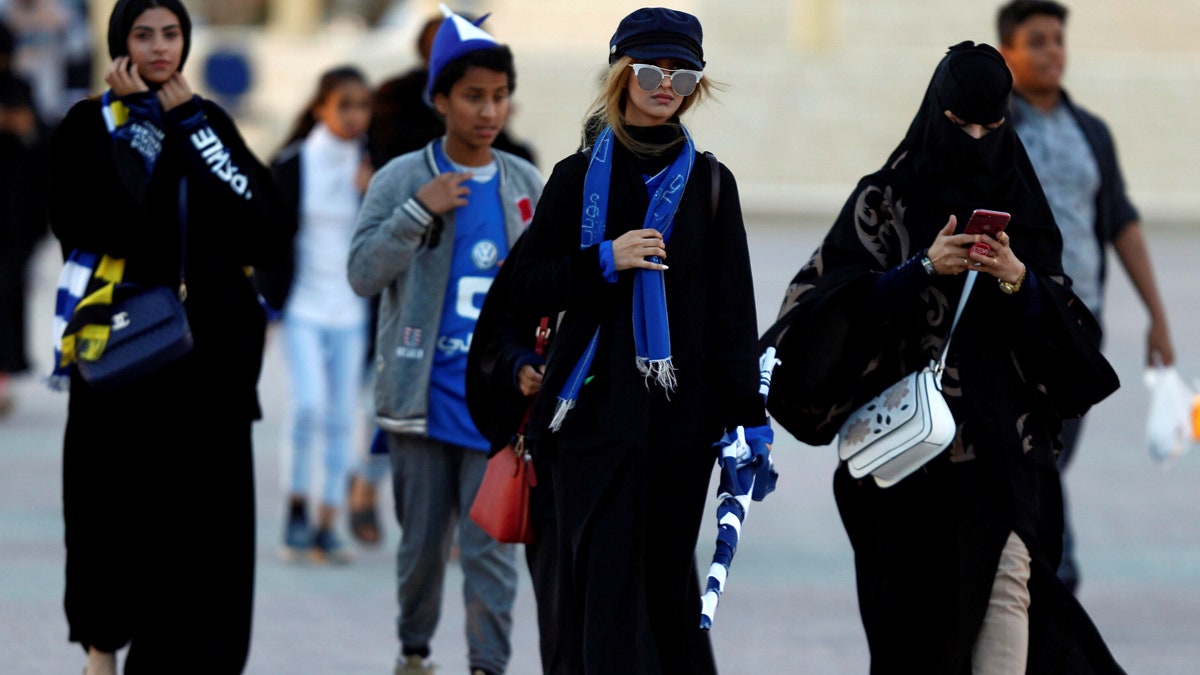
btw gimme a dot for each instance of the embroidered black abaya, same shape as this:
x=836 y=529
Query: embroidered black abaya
x=926 y=550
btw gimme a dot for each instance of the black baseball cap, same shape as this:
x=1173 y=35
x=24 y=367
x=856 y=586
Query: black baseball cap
x=659 y=33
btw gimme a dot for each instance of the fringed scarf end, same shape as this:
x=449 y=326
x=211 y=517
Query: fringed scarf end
x=659 y=371
x=560 y=413
x=57 y=382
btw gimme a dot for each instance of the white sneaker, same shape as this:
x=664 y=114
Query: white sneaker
x=415 y=665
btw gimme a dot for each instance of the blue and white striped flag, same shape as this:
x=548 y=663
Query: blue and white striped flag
x=747 y=474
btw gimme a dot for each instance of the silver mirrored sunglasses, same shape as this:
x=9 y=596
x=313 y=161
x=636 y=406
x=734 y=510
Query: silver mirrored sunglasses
x=650 y=76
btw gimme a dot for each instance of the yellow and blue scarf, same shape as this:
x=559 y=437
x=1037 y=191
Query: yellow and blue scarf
x=82 y=311
x=87 y=284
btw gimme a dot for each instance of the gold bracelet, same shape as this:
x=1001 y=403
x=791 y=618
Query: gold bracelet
x=1009 y=289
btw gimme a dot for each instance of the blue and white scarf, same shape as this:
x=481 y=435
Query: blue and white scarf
x=651 y=332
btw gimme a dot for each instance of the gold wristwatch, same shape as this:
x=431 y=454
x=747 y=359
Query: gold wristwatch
x=1010 y=288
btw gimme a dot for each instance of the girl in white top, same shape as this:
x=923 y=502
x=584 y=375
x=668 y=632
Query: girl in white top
x=325 y=324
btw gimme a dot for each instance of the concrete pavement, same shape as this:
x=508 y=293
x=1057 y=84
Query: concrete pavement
x=790 y=605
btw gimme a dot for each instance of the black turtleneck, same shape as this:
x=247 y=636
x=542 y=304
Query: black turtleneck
x=664 y=139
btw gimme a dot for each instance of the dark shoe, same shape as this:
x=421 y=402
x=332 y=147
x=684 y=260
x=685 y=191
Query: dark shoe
x=327 y=548
x=297 y=537
x=364 y=523
x=7 y=399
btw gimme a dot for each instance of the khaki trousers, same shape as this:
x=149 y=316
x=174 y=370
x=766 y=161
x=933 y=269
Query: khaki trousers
x=1002 y=645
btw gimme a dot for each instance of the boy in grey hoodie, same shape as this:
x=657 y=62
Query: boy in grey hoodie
x=434 y=227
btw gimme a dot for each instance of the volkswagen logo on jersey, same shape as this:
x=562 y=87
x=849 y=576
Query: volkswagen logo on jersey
x=484 y=254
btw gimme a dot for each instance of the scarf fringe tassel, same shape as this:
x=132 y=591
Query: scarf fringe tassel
x=57 y=382
x=560 y=413
x=660 y=372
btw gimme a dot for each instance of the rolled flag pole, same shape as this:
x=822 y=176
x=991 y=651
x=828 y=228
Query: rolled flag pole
x=747 y=474
x=731 y=512
x=766 y=366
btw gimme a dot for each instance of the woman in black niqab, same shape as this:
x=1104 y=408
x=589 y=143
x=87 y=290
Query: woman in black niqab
x=875 y=302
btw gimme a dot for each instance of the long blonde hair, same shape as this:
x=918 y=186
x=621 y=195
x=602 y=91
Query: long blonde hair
x=609 y=108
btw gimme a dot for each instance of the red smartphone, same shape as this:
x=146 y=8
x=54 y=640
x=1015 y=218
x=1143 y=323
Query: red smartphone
x=986 y=222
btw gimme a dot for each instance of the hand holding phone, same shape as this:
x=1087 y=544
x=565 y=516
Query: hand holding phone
x=986 y=222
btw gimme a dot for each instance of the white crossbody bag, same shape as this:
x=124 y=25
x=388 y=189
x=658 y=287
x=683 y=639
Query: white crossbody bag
x=906 y=425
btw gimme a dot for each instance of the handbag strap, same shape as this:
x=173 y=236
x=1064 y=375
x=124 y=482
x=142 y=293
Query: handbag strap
x=543 y=336
x=968 y=284
x=183 y=228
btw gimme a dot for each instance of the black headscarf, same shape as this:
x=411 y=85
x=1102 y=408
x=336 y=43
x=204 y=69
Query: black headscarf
x=940 y=170
x=127 y=11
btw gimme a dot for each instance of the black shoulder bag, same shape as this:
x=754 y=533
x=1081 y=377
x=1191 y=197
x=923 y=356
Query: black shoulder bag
x=149 y=325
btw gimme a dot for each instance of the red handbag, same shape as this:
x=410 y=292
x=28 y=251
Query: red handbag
x=501 y=506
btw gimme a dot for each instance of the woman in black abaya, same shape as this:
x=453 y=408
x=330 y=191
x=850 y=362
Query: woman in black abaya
x=955 y=564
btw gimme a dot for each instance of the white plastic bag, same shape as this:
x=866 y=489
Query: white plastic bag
x=1169 y=422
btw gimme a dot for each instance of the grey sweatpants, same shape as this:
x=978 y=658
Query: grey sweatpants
x=434 y=485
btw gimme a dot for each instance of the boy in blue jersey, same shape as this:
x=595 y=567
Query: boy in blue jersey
x=434 y=227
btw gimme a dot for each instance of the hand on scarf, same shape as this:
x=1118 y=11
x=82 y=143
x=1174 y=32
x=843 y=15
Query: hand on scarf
x=175 y=92
x=631 y=249
x=123 y=77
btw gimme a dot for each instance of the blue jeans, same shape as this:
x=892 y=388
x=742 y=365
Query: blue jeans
x=434 y=484
x=325 y=365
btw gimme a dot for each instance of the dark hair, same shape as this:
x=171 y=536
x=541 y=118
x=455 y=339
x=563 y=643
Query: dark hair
x=424 y=43
x=498 y=58
x=329 y=83
x=120 y=22
x=1016 y=12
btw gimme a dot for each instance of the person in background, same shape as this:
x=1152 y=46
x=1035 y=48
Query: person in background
x=402 y=122
x=649 y=367
x=1075 y=158
x=158 y=475
x=23 y=156
x=955 y=565
x=322 y=172
x=78 y=47
x=433 y=228
x=41 y=28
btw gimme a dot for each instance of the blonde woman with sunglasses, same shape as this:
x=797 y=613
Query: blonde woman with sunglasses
x=638 y=240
